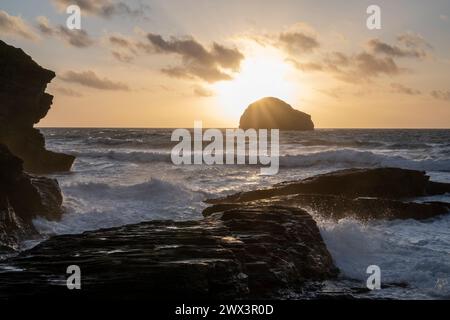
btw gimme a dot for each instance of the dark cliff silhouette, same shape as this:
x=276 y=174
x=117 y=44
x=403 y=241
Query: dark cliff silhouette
x=23 y=103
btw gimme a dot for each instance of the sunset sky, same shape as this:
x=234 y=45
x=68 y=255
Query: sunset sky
x=168 y=63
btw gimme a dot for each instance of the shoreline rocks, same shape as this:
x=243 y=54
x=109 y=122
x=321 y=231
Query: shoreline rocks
x=261 y=244
x=253 y=252
x=273 y=113
x=362 y=193
x=23 y=103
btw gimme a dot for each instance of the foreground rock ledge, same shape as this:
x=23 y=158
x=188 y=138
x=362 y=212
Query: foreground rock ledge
x=251 y=252
x=362 y=193
x=23 y=103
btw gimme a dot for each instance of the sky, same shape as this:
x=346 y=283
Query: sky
x=168 y=63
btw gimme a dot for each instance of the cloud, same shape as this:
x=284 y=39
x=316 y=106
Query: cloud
x=298 y=39
x=306 y=66
x=67 y=92
x=409 y=45
x=443 y=17
x=124 y=48
x=413 y=40
x=399 y=88
x=12 y=25
x=441 y=95
x=210 y=65
x=337 y=58
x=177 y=72
x=377 y=59
x=226 y=57
x=104 y=8
x=122 y=57
x=335 y=93
x=43 y=25
x=298 y=42
x=353 y=68
x=370 y=66
x=202 y=92
x=75 y=38
x=91 y=80
x=120 y=41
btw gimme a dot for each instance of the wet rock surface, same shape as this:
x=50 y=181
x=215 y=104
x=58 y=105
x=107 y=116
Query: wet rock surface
x=23 y=103
x=249 y=252
x=23 y=197
x=361 y=193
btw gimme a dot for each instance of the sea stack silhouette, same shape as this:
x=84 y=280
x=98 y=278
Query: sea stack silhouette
x=23 y=103
x=273 y=113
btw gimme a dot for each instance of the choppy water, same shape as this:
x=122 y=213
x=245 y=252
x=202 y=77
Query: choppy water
x=124 y=176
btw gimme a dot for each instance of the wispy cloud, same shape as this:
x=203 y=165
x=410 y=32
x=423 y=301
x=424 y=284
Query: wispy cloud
x=399 y=88
x=354 y=68
x=202 y=92
x=122 y=57
x=15 y=26
x=298 y=42
x=211 y=65
x=67 y=92
x=409 y=45
x=123 y=48
x=75 y=38
x=378 y=58
x=104 y=8
x=91 y=80
x=441 y=95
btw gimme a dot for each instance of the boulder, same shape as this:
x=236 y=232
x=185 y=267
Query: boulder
x=273 y=113
x=362 y=193
x=251 y=252
x=23 y=197
x=23 y=103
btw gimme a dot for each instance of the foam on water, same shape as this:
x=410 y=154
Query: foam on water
x=410 y=252
x=124 y=176
x=355 y=158
x=94 y=205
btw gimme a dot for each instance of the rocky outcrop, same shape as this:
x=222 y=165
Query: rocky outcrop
x=251 y=252
x=273 y=113
x=363 y=193
x=23 y=197
x=23 y=103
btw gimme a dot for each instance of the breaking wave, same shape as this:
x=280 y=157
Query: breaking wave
x=352 y=158
x=405 y=251
x=128 y=156
x=94 y=205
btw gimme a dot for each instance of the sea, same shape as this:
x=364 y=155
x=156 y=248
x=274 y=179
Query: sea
x=126 y=176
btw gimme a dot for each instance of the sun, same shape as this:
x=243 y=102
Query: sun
x=262 y=74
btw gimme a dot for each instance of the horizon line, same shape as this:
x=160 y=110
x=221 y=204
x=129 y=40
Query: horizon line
x=317 y=128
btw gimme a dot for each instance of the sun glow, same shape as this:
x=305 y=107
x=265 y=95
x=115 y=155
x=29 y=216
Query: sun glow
x=262 y=74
